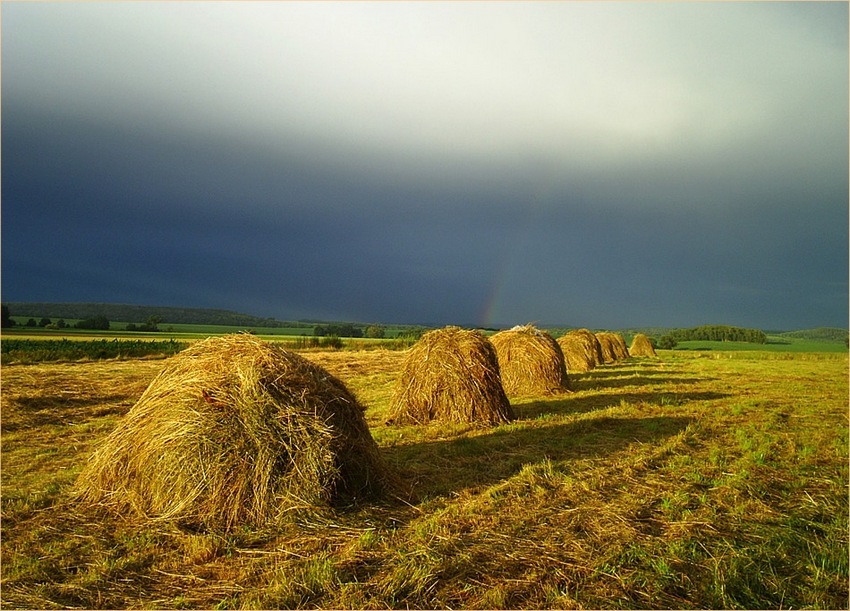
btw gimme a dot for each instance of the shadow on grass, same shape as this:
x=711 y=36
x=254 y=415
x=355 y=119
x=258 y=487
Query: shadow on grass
x=33 y=412
x=579 y=382
x=449 y=466
x=580 y=405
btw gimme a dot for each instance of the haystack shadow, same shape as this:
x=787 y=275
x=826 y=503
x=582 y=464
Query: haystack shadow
x=24 y=413
x=450 y=466
x=580 y=382
x=579 y=405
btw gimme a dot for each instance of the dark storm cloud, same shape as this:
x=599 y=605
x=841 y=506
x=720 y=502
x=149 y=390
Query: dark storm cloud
x=206 y=222
x=600 y=165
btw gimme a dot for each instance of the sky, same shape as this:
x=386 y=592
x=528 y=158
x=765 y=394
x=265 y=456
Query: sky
x=585 y=164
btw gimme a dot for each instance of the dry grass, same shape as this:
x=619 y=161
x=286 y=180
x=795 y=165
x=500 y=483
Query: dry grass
x=641 y=346
x=234 y=431
x=530 y=362
x=695 y=480
x=452 y=375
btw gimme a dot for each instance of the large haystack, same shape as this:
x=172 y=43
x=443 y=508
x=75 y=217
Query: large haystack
x=235 y=431
x=641 y=346
x=581 y=350
x=450 y=374
x=531 y=362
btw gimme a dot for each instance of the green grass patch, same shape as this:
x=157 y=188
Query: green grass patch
x=41 y=350
x=775 y=343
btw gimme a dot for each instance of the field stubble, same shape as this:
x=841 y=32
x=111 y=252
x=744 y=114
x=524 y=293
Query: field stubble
x=681 y=482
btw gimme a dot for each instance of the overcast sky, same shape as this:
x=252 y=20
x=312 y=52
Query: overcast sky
x=581 y=164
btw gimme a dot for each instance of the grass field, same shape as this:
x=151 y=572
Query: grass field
x=174 y=330
x=774 y=344
x=696 y=480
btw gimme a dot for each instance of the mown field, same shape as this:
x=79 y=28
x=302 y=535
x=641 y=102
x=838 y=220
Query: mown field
x=710 y=479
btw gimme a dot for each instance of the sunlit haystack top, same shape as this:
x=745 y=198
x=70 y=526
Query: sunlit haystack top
x=234 y=431
x=531 y=362
x=581 y=350
x=641 y=346
x=450 y=374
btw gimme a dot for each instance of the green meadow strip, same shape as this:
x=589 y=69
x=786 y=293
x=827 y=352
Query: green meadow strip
x=38 y=351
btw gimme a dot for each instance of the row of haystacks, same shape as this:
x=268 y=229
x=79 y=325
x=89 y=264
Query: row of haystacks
x=459 y=375
x=584 y=350
x=236 y=431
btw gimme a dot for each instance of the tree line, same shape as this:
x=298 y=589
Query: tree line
x=142 y=314
x=97 y=323
x=712 y=333
x=349 y=330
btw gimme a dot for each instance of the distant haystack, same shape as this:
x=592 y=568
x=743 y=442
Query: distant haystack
x=620 y=348
x=606 y=344
x=613 y=346
x=234 y=431
x=531 y=362
x=450 y=374
x=581 y=349
x=641 y=346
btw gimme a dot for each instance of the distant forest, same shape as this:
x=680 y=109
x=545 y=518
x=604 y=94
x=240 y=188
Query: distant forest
x=142 y=314
x=828 y=334
x=719 y=333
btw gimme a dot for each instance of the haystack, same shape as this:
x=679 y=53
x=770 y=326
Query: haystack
x=234 y=431
x=531 y=362
x=606 y=344
x=620 y=347
x=641 y=346
x=450 y=374
x=613 y=346
x=581 y=350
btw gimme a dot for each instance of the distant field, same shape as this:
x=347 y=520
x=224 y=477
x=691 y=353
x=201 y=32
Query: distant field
x=27 y=345
x=176 y=331
x=701 y=479
x=165 y=329
x=20 y=346
x=774 y=344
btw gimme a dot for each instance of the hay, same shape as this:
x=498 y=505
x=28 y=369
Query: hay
x=236 y=432
x=613 y=346
x=620 y=348
x=581 y=350
x=641 y=346
x=606 y=345
x=450 y=374
x=531 y=362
